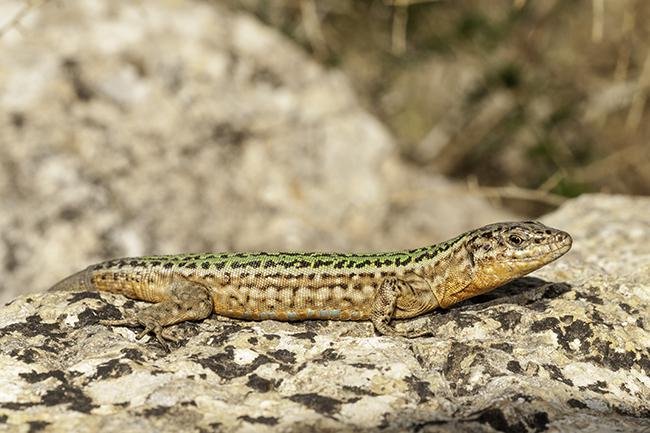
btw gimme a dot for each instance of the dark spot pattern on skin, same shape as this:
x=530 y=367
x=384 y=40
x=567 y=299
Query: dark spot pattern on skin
x=266 y=420
x=319 y=403
x=313 y=260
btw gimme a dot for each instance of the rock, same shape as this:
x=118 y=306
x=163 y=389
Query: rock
x=566 y=349
x=165 y=127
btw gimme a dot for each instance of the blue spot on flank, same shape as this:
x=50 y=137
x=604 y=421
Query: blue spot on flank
x=333 y=314
x=268 y=315
x=292 y=315
x=311 y=313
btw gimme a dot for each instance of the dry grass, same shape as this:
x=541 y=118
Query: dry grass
x=536 y=100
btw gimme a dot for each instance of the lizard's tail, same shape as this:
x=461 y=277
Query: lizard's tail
x=79 y=281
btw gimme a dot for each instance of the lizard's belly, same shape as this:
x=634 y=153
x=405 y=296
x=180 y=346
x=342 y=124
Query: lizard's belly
x=334 y=300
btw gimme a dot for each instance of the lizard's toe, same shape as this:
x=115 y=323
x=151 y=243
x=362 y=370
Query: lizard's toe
x=120 y=322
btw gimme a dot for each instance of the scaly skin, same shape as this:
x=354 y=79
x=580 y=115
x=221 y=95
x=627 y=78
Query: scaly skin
x=298 y=286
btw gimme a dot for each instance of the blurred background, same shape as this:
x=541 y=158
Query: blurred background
x=155 y=127
x=546 y=95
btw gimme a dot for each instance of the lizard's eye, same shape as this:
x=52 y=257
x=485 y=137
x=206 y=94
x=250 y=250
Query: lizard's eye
x=515 y=240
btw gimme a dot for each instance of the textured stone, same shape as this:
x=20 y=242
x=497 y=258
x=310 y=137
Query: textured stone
x=566 y=349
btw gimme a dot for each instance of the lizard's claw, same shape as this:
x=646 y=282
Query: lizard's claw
x=163 y=335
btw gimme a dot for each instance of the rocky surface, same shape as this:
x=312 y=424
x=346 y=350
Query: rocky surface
x=564 y=350
x=165 y=127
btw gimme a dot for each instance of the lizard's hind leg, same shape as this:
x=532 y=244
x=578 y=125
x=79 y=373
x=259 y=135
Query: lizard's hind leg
x=182 y=300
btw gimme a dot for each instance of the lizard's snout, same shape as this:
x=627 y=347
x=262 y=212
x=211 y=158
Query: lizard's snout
x=563 y=240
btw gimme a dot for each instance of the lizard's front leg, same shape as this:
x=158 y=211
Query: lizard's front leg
x=385 y=304
x=183 y=300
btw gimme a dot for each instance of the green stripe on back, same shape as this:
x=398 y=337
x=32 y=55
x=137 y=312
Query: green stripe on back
x=289 y=260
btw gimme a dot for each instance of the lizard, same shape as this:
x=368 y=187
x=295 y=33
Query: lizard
x=378 y=287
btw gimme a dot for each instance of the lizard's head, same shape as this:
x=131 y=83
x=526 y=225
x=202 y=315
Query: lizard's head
x=504 y=251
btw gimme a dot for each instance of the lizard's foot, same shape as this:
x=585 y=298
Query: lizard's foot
x=388 y=329
x=163 y=335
